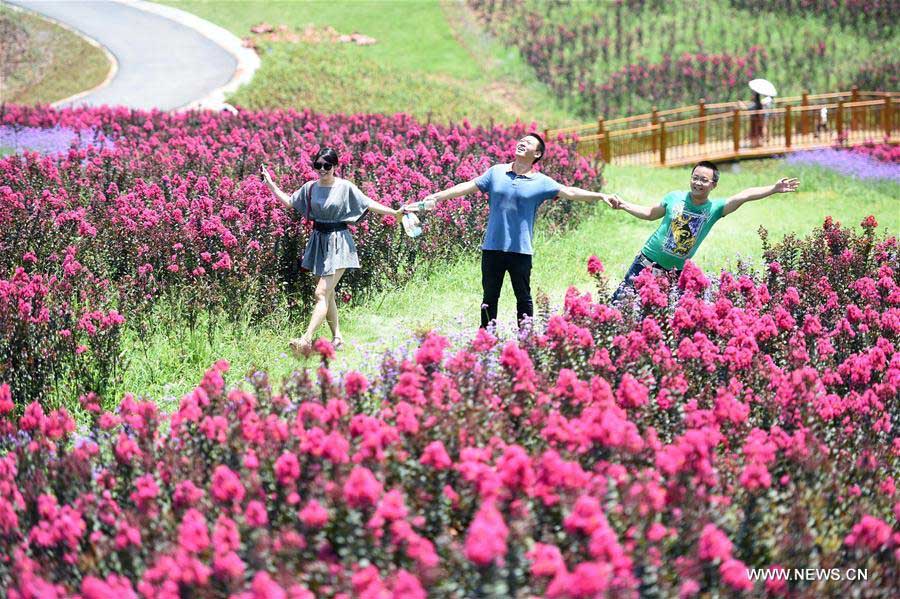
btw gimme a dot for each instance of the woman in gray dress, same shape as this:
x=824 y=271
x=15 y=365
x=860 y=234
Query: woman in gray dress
x=331 y=203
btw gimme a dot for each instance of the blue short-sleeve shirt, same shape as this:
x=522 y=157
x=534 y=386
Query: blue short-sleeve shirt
x=513 y=202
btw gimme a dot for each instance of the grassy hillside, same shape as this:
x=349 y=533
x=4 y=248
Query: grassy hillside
x=41 y=62
x=419 y=64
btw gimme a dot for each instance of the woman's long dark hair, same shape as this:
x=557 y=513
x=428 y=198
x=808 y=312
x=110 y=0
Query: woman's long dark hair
x=328 y=155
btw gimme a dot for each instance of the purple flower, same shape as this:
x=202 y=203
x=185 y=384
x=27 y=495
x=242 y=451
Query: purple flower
x=54 y=140
x=854 y=164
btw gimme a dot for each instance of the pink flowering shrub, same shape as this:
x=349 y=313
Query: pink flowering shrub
x=166 y=210
x=883 y=152
x=616 y=59
x=711 y=426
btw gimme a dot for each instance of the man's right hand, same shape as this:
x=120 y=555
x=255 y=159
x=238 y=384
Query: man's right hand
x=427 y=203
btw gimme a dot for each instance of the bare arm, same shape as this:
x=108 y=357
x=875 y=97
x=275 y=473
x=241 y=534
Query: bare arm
x=757 y=193
x=636 y=210
x=582 y=195
x=267 y=179
x=382 y=209
x=430 y=201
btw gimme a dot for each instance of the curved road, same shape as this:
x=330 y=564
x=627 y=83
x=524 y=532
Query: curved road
x=162 y=64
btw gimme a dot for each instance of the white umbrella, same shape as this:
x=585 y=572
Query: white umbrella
x=763 y=87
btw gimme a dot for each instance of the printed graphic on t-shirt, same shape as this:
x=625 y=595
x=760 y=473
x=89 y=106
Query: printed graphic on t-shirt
x=684 y=229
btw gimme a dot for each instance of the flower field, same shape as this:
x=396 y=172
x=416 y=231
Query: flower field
x=621 y=58
x=869 y=161
x=658 y=450
x=151 y=210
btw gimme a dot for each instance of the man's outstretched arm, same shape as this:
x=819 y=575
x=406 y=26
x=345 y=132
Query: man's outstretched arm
x=636 y=210
x=429 y=201
x=583 y=195
x=785 y=185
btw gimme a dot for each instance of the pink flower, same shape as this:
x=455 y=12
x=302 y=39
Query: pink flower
x=407 y=586
x=355 y=383
x=324 y=348
x=146 y=491
x=431 y=350
x=692 y=278
x=314 y=515
x=869 y=223
x=594 y=265
x=263 y=587
x=193 y=533
x=689 y=588
x=287 y=468
x=483 y=341
x=229 y=566
x=226 y=536
x=256 y=514
x=714 y=544
x=436 y=456
x=486 y=538
x=6 y=403
x=114 y=587
x=755 y=476
x=361 y=489
x=631 y=393
x=870 y=533
x=187 y=494
x=546 y=560
x=226 y=485
x=734 y=573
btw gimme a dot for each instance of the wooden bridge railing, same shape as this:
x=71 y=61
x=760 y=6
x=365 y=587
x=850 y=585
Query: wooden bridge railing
x=727 y=131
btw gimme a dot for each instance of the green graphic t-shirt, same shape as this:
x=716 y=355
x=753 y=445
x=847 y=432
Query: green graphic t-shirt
x=682 y=230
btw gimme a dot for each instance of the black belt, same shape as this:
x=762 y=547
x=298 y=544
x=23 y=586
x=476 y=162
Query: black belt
x=648 y=263
x=329 y=227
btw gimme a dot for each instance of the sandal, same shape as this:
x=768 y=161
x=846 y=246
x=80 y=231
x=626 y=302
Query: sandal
x=337 y=342
x=300 y=347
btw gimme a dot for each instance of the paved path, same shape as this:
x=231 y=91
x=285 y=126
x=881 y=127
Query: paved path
x=161 y=63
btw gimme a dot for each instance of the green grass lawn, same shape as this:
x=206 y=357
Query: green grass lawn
x=41 y=62
x=170 y=363
x=420 y=64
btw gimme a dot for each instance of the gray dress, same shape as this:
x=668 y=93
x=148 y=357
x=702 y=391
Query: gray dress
x=343 y=202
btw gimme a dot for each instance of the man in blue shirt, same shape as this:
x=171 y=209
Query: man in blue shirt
x=515 y=191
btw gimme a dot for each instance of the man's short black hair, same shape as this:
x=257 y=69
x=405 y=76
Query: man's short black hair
x=710 y=166
x=541 y=145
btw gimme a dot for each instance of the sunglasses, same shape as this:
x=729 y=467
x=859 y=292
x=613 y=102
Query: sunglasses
x=322 y=166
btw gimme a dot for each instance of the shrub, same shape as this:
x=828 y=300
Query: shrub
x=660 y=449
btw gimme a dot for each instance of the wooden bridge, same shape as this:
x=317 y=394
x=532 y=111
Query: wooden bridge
x=728 y=131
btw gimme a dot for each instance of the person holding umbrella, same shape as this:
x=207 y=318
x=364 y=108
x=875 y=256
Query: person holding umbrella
x=515 y=192
x=763 y=92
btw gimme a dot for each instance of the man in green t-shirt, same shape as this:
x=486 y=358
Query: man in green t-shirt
x=687 y=218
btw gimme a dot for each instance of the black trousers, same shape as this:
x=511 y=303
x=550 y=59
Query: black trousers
x=494 y=266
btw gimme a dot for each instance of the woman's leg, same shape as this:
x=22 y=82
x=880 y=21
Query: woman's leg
x=324 y=289
x=332 y=315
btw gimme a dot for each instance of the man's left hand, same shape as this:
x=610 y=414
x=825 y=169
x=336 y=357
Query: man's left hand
x=787 y=185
